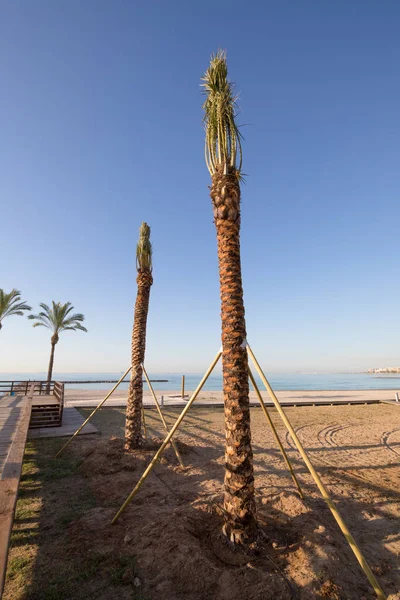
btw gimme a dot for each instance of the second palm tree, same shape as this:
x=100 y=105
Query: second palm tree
x=133 y=424
x=58 y=318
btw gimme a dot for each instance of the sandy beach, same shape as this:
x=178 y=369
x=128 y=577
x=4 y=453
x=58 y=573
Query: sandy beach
x=175 y=520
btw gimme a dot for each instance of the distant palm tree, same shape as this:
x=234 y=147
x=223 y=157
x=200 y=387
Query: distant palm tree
x=57 y=319
x=224 y=161
x=10 y=304
x=133 y=425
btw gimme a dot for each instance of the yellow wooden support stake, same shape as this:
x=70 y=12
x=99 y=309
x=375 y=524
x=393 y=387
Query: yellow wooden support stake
x=144 y=422
x=178 y=456
x=92 y=413
x=167 y=439
x=338 y=518
x=282 y=449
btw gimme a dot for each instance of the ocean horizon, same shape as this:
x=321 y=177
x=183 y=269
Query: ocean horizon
x=279 y=381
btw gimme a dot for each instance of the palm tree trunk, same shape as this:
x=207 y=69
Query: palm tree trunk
x=133 y=423
x=239 y=505
x=54 y=340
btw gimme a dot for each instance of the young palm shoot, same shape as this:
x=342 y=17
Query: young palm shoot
x=10 y=304
x=223 y=154
x=58 y=318
x=133 y=424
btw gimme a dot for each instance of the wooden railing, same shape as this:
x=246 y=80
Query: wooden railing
x=45 y=411
x=21 y=388
x=58 y=391
x=18 y=387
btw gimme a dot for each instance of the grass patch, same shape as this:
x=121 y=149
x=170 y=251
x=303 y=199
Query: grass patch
x=100 y=570
x=24 y=537
x=77 y=505
x=28 y=509
x=16 y=565
x=123 y=570
x=42 y=563
x=58 y=589
x=59 y=468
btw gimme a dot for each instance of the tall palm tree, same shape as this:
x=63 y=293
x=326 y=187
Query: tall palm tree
x=223 y=155
x=10 y=304
x=144 y=266
x=58 y=318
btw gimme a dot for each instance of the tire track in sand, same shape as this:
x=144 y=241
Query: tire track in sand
x=385 y=437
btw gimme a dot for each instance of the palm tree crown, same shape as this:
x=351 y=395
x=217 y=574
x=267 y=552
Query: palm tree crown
x=10 y=304
x=144 y=250
x=59 y=318
x=222 y=144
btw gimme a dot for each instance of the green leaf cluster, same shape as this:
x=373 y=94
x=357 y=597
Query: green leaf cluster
x=223 y=138
x=144 y=251
x=58 y=318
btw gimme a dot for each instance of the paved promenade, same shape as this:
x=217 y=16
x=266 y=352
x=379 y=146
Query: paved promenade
x=90 y=398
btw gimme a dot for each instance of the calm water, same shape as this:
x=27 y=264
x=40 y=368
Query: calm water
x=279 y=381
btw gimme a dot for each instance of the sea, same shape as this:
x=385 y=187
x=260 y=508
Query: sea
x=279 y=381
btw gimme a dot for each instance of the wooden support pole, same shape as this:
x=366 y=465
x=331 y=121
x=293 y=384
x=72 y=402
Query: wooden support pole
x=281 y=448
x=178 y=456
x=161 y=449
x=324 y=493
x=183 y=386
x=92 y=413
x=144 y=422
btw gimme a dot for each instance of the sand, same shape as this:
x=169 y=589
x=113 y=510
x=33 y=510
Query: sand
x=172 y=528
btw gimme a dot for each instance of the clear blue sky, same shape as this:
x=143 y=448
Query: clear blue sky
x=100 y=121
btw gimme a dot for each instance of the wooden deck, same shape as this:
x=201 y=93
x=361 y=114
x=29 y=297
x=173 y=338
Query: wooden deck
x=45 y=399
x=72 y=420
x=15 y=414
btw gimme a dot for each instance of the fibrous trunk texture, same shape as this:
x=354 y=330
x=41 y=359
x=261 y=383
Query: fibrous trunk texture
x=54 y=341
x=133 y=424
x=239 y=506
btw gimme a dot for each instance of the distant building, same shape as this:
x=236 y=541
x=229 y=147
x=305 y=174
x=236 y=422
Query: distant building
x=385 y=370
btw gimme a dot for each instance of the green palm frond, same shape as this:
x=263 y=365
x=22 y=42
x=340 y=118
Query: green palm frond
x=10 y=304
x=223 y=138
x=144 y=250
x=77 y=326
x=71 y=319
x=45 y=307
x=58 y=318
